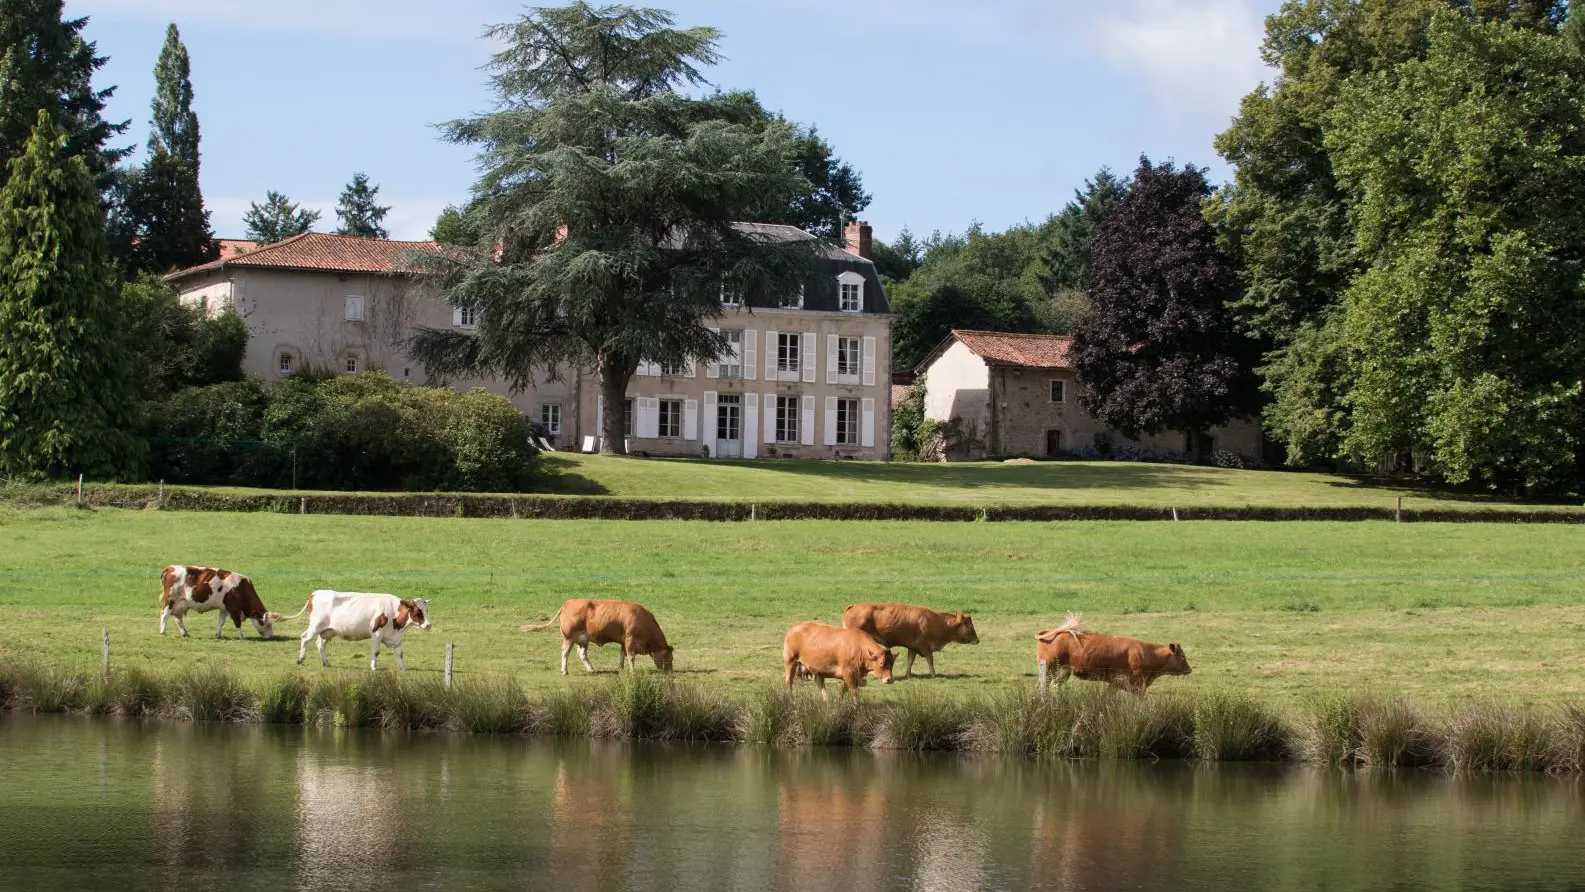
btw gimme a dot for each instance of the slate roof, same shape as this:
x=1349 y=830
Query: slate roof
x=320 y=251
x=1030 y=351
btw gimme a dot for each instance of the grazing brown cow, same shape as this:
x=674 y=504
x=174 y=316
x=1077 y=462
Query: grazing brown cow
x=829 y=652
x=919 y=629
x=586 y=621
x=1128 y=663
x=202 y=589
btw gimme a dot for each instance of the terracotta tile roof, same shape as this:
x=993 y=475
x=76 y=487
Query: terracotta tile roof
x=231 y=247
x=320 y=251
x=1033 y=351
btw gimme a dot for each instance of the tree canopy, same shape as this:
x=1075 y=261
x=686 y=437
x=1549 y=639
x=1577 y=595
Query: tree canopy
x=277 y=218
x=360 y=215
x=173 y=126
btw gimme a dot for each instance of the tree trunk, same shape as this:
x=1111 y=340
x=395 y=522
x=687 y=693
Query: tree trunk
x=613 y=386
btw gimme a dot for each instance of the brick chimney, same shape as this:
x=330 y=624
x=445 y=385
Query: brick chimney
x=857 y=238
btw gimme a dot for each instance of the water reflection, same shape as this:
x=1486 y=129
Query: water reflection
x=95 y=804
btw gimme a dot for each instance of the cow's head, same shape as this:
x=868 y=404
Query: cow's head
x=1177 y=663
x=879 y=662
x=962 y=628
x=662 y=658
x=416 y=612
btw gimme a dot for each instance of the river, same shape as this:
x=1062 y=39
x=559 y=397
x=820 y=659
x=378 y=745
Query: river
x=123 y=805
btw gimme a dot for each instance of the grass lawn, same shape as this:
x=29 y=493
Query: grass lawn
x=1285 y=610
x=985 y=483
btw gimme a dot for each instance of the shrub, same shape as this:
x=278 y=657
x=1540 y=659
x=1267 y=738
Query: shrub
x=285 y=701
x=213 y=695
x=1484 y=737
x=1233 y=728
x=916 y=721
x=770 y=718
x=491 y=707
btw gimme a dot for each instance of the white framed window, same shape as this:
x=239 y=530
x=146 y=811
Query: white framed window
x=627 y=418
x=732 y=360
x=848 y=357
x=671 y=369
x=794 y=301
x=850 y=292
x=353 y=364
x=285 y=363
x=670 y=419
x=465 y=317
x=788 y=347
x=354 y=308
x=1059 y=391
x=729 y=297
x=847 y=422
x=787 y=430
x=550 y=417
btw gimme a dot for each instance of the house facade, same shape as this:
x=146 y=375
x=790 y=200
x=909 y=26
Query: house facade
x=807 y=378
x=1016 y=394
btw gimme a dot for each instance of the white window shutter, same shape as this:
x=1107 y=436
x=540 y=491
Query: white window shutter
x=599 y=420
x=867 y=428
x=711 y=369
x=770 y=355
x=770 y=417
x=806 y=420
x=708 y=440
x=751 y=424
x=831 y=421
x=869 y=361
x=643 y=368
x=811 y=348
x=750 y=358
x=690 y=419
x=648 y=422
x=456 y=316
x=831 y=359
x=688 y=369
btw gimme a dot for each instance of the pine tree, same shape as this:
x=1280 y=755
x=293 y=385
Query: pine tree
x=66 y=395
x=174 y=125
x=360 y=216
x=278 y=218
x=46 y=64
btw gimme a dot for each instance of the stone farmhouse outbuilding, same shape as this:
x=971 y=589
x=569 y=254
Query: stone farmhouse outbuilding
x=806 y=378
x=1016 y=395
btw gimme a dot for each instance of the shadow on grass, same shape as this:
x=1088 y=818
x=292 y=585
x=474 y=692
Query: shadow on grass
x=558 y=475
x=1429 y=489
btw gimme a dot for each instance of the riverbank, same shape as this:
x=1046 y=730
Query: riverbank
x=1358 y=730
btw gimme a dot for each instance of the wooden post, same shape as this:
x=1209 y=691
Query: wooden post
x=451 y=648
x=107 y=652
x=302 y=504
x=1397 y=516
x=162 y=493
x=294 y=465
x=1043 y=680
x=1174 y=514
x=753 y=512
x=79 y=489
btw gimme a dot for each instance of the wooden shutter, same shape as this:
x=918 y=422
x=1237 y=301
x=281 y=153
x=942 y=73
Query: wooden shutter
x=647 y=424
x=711 y=369
x=867 y=427
x=690 y=419
x=806 y=420
x=831 y=421
x=708 y=440
x=770 y=418
x=807 y=363
x=456 y=316
x=750 y=357
x=869 y=361
x=831 y=358
x=770 y=355
x=750 y=425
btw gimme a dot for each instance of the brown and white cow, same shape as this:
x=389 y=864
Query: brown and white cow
x=202 y=589
x=920 y=630
x=1128 y=663
x=356 y=616
x=830 y=652
x=586 y=621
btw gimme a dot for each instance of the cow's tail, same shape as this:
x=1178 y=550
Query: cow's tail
x=278 y=618
x=1073 y=625
x=541 y=626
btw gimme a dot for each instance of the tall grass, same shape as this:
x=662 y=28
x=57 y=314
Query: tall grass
x=1353 y=731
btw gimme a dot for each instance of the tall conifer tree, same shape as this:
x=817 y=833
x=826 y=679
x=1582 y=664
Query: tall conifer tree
x=174 y=125
x=360 y=216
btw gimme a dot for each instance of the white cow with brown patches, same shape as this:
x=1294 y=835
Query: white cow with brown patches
x=356 y=616
x=186 y=589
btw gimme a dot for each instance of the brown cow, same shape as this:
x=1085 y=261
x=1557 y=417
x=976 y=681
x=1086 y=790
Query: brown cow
x=586 y=621
x=1128 y=663
x=202 y=589
x=919 y=629
x=829 y=652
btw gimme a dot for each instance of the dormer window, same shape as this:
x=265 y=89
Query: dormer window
x=730 y=298
x=850 y=292
x=794 y=301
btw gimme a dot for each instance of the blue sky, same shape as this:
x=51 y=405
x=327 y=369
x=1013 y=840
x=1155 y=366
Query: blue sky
x=953 y=111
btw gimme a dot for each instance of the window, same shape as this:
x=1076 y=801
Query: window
x=1053 y=443
x=788 y=346
x=852 y=298
x=671 y=369
x=732 y=361
x=1059 y=391
x=847 y=422
x=848 y=356
x=627 y=418
x=787 y=419
x=670 y=418
x=352 y=363
x=466 y=317
x=550 y=417
x=286 y=363
x=794 y=301
x=730 y=298
x=354 y=308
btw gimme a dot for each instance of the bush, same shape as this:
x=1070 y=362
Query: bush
x=353 y=432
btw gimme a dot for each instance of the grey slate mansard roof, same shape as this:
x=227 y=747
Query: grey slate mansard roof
x=821 y=293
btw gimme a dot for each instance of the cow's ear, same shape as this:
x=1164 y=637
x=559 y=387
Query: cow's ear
x=1176 y=648
x=960 y=616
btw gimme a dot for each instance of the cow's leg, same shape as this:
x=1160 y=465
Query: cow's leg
x=323 y=660
x=302 y=645
x=792 y=672
x=180 y=624
x=583 y=654
x=566 y=645
x=621 y=656
x=908 y=671
x=1063 y=674
x=220 y=627
x=930 y=660
x=374 y=653
x=820 y=682
x=165 y=614
x=400 y=663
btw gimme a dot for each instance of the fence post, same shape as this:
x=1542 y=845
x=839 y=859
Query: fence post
x=302 y=504
x=294 y=465
x=451 y=648
x=162 y=493
x=1397 y=515
x=1174 y=513
x=1042 y=664
x=79 y=489
x=107 y=652
x=753 y=512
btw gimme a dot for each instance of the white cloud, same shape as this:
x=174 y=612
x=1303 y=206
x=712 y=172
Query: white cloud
x=1197 y=55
